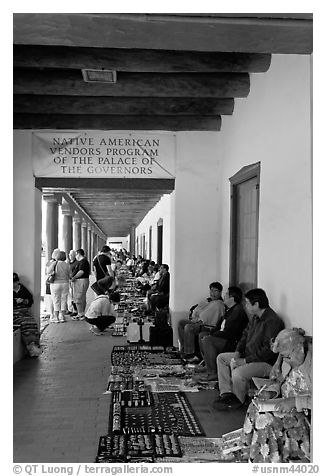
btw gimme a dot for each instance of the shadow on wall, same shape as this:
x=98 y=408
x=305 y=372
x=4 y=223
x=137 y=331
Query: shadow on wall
x=282 y=310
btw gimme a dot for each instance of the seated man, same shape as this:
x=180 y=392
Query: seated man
x=253 y=356
x=225 y=336
x=158 y=296
x=22 y=301
x=204 y=316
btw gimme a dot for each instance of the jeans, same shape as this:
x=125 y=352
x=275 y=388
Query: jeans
x=211 y=347
x=237 y=381
x=188 y=331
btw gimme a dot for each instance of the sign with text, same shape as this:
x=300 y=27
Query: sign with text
x=103 y=154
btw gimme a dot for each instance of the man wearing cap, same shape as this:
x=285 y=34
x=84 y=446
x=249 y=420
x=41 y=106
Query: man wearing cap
x=203 y=317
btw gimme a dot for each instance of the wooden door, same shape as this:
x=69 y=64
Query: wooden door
x=159 y=241
x=150 y=243
x=244 y=228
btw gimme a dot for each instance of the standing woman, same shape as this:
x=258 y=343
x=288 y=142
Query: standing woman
x=60 y=286
x=48 y=297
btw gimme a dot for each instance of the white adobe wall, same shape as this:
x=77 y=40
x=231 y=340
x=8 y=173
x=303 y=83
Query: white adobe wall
x=116 y=239
x=161 y=210
x=27 y=223
x=273 y=126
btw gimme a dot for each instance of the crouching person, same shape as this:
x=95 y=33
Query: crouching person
x=101 y=313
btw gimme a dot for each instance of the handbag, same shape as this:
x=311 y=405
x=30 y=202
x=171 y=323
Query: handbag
x=51 y=278
x=104 y=272
x=102 y=285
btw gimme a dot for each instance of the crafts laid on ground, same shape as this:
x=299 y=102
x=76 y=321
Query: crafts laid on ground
x=150 y=417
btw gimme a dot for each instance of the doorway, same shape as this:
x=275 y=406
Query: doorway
x=244 y=227
x=159 y=241
x=150 y=244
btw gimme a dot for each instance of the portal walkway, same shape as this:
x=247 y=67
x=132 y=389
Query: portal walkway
x=60 y=410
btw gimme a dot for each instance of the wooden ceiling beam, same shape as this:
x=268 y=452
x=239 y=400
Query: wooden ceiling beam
x=101 y=122
x=39 y=104
x=167 y=32
x=102 y=184
x=132 y=60
x=70 y=83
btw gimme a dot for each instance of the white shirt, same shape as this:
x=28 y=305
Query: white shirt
x=101 y=306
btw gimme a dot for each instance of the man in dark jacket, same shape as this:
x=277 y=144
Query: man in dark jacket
x=253 y=356
x=225 y=336
x=158 y=296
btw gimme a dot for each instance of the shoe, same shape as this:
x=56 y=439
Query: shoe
x=193 y=360
x=208 y=378
x=227 y=402
x=74 y=314
x=199 y=369
x=81 y=318
x=75 y=318
x=68 y=313
x=62 y=320
x=96 y=332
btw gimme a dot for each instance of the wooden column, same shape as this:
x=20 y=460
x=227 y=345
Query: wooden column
x=76 y=232
x=52 y=203
x=88 y=252
x=95 y=244
x=84 y=237
x=132 y=239
x=67 y=227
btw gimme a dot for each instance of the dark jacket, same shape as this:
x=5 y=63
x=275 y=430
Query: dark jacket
x=23 y=293
x=254 y=344
x=236 y=321
x=163 y=284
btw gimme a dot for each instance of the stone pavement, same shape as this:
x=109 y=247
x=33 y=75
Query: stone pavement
x=59 y=407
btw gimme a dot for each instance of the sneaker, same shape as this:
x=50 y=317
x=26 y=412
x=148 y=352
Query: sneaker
x=75 y=318
x=96 y=332
x=81 y=318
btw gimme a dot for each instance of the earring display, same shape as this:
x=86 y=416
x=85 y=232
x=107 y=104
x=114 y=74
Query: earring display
x=134 y=355
x=167 y=445
x=144 y=412
x=111 y=448
x=146 y=425
x=137 y=447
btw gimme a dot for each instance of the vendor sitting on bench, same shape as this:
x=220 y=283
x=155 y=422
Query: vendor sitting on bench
x=158 y=296
x=22 y=303
x=203 y=317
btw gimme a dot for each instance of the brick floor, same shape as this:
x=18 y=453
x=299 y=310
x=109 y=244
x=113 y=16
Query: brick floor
x=59 y=407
